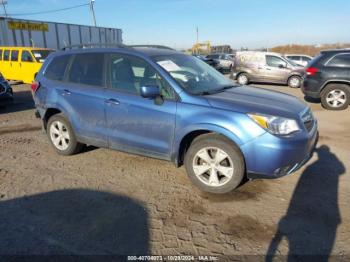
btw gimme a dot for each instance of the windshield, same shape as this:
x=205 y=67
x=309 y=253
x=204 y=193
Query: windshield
x=41 y=55
x=193 y=75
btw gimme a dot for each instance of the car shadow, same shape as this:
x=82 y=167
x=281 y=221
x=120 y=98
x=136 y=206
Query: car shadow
x=312 y=100
x=73 y=222
x=22 y=100
x=313 y=216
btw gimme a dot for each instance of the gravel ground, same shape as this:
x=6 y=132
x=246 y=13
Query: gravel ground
x=107 y=202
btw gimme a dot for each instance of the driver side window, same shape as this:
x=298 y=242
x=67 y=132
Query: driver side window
x=129 y=74
x=275 y=61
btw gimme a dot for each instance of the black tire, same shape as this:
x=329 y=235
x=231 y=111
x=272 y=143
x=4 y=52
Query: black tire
x=224 y=144
x=243 y=79
x=294 y=81
x=74 y=146
x=335 y=88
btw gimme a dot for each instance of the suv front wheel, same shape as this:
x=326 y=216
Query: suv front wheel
x=335 y=97
x=214 y=164
x=61 y=136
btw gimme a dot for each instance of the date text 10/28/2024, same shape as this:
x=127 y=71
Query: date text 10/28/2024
x=173 y=258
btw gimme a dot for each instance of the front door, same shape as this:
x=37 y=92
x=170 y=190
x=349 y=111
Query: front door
x=136 y=124
x=276 y=69
x=28 y=66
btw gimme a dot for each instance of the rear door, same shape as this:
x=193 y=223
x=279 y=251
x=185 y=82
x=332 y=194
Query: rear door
x=6 y=67
x=136 y=124
x=80 y=93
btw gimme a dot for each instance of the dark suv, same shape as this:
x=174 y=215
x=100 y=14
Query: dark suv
x=6 y=94
x=328 y=78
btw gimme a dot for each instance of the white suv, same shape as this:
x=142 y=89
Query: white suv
x=302 y=60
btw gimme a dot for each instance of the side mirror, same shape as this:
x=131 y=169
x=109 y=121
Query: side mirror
x=282 y=66
x=150 y=91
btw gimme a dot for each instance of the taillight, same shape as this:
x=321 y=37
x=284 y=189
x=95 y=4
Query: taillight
x=35 y=86
x=311 y=71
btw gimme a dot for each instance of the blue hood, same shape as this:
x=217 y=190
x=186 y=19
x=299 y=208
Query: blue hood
x=247 y=99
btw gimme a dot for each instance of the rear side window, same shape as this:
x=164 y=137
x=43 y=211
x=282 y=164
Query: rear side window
x=341 y=60
x=57 y=68
x=294 y=58
x=87 y=69
x=0 y=54
x=14 y=55
x=26 y=56
x=7 y=55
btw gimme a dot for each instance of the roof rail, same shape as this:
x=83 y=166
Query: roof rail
x=91 y=45
x=153 y=46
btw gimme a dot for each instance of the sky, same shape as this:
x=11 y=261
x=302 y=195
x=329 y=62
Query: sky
x=239 y=23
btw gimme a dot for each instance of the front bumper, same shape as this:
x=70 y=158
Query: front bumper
x=269 y=156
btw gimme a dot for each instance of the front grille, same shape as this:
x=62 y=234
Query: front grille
x=308 y=120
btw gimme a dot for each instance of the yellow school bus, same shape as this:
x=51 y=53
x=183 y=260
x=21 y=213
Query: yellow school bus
x=21 y=63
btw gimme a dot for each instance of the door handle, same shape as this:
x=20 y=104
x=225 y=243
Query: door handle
x=66 y=92
x=268 y=69
x=112 y=101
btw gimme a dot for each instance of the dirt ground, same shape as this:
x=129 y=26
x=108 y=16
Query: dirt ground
x=107 y=202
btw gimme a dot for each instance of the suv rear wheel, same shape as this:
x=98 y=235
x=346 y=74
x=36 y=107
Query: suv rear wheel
x=214 y=164
x=61 y=135
x=335 y=97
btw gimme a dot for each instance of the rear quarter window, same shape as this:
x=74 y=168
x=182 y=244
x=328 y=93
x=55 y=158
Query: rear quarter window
x=341 y=60
x=57 y=68
x=0 y=54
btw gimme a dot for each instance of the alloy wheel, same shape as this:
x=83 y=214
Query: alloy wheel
x=336 y=98
x=213 y=166
x=59 y=135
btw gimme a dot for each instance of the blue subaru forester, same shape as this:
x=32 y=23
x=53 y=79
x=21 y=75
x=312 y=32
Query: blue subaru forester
x=157 y=102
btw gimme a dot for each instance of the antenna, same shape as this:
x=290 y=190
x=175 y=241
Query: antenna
x=93 y=11
x=4 y=2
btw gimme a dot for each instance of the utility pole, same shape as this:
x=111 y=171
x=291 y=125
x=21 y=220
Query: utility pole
x=92 y=11
x=197 y=34
x=4 y=2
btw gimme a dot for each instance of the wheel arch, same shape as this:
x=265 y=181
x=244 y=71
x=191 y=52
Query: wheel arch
x=49 y=113
x=183 y=142
x=342 y=82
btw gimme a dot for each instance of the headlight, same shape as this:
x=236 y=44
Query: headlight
x=275 y=124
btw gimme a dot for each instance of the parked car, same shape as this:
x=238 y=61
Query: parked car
x=161 y=103
x=266 y=67
x=6 y=93
x=21 y=63
x=328 y=77
x=301 y=60
x=212 y=62
x=225 y=61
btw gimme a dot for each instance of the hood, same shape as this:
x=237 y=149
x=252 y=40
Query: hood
x=247 y=99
